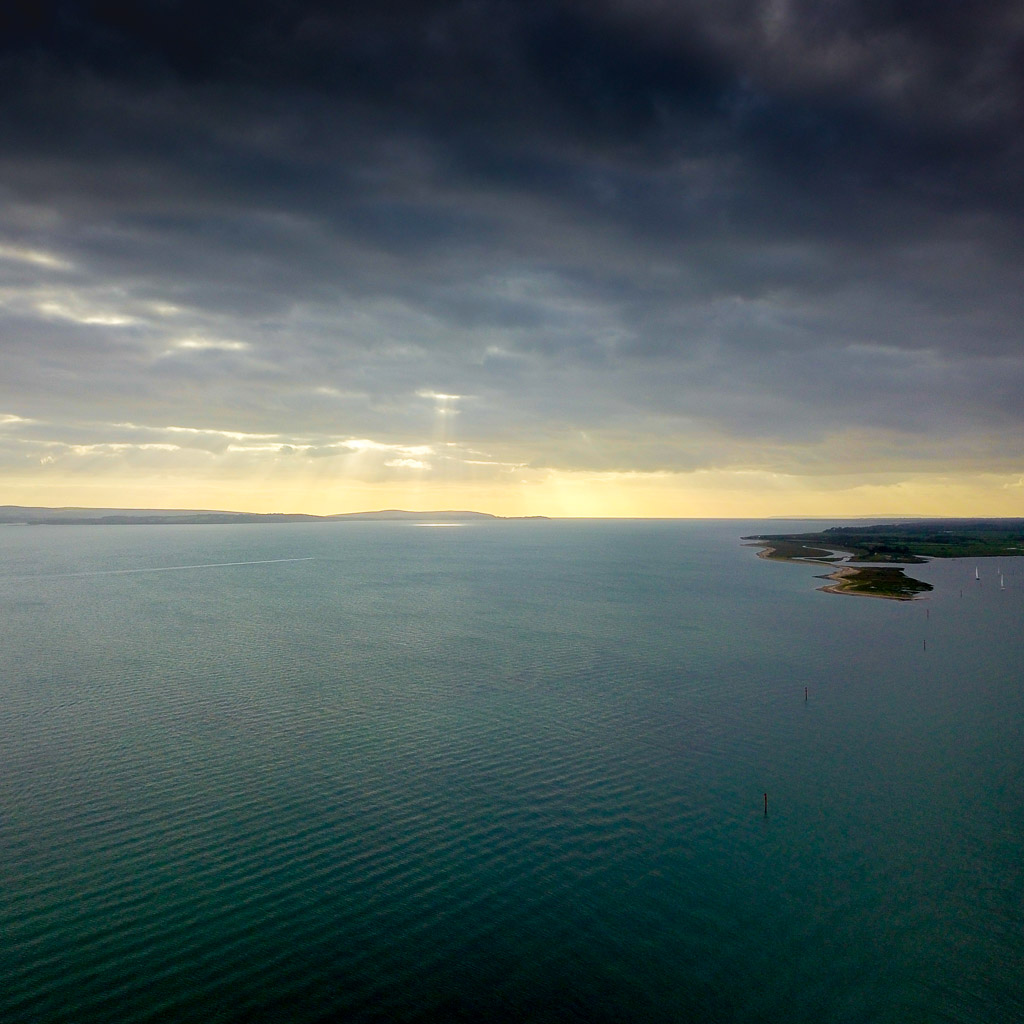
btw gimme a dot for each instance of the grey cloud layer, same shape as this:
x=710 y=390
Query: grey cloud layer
x=691 y=234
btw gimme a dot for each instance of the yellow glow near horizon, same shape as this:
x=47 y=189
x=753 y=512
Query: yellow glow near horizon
x=557 y=494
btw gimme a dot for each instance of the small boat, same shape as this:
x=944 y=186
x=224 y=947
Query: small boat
x=976 y=576
x=1002 y=584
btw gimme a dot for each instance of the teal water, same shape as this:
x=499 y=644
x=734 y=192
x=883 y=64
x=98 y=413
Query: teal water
x=509 y=771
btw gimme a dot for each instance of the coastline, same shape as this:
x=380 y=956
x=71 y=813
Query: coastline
x=887 y=582
x=847 y=583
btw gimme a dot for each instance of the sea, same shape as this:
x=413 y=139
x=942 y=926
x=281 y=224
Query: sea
x=532 y=771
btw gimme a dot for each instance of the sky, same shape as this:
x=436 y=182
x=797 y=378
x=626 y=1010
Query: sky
x=567 y=258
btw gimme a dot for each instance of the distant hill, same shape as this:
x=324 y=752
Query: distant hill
x=24 y=513
x=39 y=516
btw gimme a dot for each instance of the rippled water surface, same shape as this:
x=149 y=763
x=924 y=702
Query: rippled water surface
x=506 y=771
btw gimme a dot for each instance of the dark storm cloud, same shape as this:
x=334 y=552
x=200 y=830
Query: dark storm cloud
x=641 y=221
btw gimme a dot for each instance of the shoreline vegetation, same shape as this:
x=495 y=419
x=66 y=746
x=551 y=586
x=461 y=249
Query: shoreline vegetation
x=906 y=543
x=887 y=582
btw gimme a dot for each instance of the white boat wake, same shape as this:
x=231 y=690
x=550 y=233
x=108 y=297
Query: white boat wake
x=159 y=568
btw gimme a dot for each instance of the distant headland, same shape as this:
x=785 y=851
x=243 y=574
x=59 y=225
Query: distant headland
x=906 y=542
x=38 y=516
